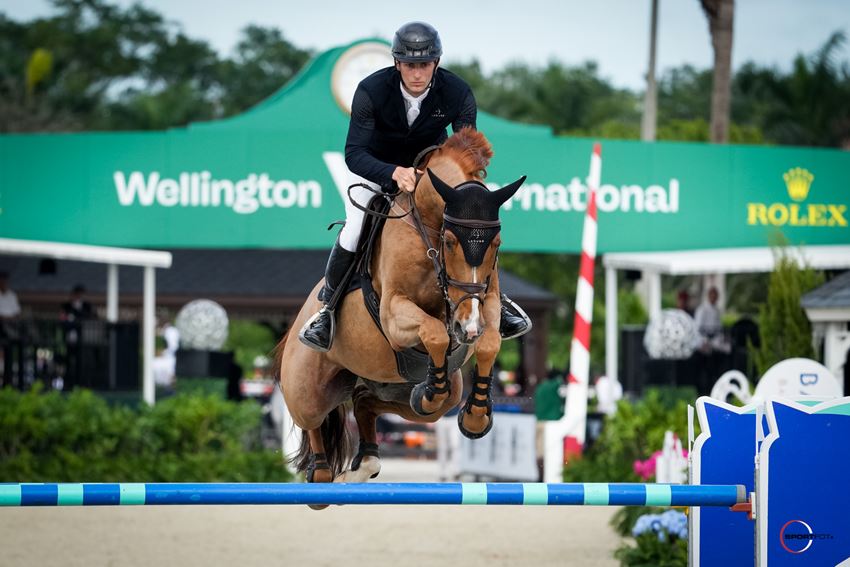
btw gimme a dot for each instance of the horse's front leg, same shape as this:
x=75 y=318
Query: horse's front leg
x=476 y=418
x=407 y=324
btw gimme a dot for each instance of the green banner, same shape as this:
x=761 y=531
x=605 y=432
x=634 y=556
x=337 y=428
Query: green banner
x=273 y=177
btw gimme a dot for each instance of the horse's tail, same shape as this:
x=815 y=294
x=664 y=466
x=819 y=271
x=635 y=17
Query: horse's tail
x=277 y=357
x=336 y=440
x=335 y=436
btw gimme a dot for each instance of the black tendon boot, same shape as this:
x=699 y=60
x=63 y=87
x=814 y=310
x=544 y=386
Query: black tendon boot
x=318 y=332
x=514 y=321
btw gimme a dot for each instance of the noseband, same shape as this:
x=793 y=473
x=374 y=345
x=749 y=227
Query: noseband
x=472 y=290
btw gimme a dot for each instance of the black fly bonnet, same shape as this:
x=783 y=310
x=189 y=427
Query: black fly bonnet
x=472 y=214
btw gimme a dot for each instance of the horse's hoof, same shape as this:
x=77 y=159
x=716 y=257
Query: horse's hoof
x=370 y=467
x=468 y=434
x=318 y=472
x=416 y=396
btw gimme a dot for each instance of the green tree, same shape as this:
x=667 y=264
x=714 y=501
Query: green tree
x=571 y=100
x=816 y=98
x=784 y=328
x=95 y=66
x=684 y=94
x=263 y=62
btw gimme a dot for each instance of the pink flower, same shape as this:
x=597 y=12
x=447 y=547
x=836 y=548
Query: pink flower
x=646 y=469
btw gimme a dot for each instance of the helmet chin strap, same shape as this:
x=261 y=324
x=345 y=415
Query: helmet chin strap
x=397 y=63
x=434 y=74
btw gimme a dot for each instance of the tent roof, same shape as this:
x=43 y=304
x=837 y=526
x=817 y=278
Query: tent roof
x=218 y=273
x=306 y=104
x=833 y=294
x=727 y=260
x=85 y=253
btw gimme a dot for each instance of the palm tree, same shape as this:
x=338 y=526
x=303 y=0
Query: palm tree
x=721 y=16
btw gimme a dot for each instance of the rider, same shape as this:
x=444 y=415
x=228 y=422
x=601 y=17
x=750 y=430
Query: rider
x=396 y=113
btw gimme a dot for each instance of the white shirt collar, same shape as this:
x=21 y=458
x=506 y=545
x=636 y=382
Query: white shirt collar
x=410 y=99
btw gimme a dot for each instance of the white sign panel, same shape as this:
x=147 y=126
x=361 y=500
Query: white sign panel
x=508 y=452
x=795 y=378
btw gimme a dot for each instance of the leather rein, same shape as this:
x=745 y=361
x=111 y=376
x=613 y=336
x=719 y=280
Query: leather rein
x=436 y=254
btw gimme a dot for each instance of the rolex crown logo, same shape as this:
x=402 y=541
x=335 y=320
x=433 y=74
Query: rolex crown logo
x=798 y=181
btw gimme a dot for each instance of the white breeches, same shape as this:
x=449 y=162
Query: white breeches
x=350 y=233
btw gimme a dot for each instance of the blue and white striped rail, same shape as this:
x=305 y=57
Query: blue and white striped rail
x=578 y=494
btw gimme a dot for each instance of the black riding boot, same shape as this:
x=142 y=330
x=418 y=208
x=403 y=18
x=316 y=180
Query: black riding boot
x=318 y=332
x=514 y=321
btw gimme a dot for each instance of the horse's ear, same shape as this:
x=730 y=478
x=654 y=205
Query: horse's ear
x=446 y=192
x=501 y=195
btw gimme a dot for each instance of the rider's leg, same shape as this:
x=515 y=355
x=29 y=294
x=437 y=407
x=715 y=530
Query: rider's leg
x=318 y=332
x=514 y=321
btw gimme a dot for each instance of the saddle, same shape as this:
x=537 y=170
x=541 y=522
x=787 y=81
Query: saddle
x=412 y=363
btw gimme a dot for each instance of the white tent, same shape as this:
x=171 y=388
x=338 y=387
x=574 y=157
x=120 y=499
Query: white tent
x=112 y=257
x=717 y=262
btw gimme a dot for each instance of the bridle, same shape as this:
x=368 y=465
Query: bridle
x=437 y=255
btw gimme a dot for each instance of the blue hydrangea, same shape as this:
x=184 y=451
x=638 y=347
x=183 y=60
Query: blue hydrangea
x=646 y=523
x=671 y=522
x=675 y=523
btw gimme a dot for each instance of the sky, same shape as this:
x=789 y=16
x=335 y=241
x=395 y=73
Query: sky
x=614 y=33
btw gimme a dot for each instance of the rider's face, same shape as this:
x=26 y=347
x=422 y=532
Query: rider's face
x=416 y=76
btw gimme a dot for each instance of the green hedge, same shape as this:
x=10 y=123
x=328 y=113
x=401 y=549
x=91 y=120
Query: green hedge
x=635 y=432
x=78 y=437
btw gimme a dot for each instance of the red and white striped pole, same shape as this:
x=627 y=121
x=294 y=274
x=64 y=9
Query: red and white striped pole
x=565 y=438
x=579 y=377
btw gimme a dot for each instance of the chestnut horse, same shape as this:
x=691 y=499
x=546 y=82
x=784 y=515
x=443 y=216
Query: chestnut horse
x=432 y=296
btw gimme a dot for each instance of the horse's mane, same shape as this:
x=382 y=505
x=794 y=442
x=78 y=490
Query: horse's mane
x=471 y=150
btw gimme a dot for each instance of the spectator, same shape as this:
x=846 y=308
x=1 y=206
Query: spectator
x=72 y=314
x=708 y=317
x=548 y=397
x=713 y=342
x=10 y=310
x=683 y=302
x=549 y=404
x=165 y=363
x=77 y=308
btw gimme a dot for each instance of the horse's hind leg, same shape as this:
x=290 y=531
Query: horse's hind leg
x=318 y=470
x=367 y=462
x=368 y=406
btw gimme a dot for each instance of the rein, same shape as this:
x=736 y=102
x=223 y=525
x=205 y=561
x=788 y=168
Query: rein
x=438 y=259
x=437 y=255
x=390 y=197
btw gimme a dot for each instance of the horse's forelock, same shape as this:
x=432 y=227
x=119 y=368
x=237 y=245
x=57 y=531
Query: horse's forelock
x=471 y=150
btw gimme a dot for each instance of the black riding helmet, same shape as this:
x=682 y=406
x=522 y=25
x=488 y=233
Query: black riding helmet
x=417 y=42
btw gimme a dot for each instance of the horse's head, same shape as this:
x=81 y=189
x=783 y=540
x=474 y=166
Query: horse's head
x=469 y=245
